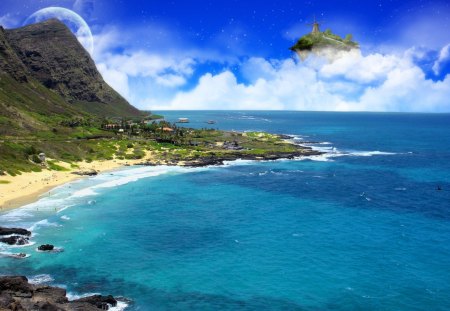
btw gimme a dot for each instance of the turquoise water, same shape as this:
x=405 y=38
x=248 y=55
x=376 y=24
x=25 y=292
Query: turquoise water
x=361 y=229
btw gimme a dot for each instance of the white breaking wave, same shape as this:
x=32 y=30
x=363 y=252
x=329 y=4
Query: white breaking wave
x=370 y=153
x=121 y=305
x=13 y=255
x=43 y=223
x=30 y=243
x=40 y=279
x=69 y=194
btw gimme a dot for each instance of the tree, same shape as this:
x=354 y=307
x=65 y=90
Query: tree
x=349 y=38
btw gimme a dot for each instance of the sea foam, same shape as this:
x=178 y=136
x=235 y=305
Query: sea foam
x=40 y=279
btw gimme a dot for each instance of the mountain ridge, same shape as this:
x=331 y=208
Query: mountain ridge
x=48 y=53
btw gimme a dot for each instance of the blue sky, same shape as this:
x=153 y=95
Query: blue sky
x=234 y=54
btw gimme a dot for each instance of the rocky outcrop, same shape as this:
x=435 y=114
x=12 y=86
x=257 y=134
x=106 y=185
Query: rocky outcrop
x=90 y=172
x=18 y=231
x=16 y=293
x=213 y=159
x=14 y=236
x=101 y=302
x=15 y=240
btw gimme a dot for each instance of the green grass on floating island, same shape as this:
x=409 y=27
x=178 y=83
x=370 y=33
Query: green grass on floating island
x=323 y=40
x=86 y=141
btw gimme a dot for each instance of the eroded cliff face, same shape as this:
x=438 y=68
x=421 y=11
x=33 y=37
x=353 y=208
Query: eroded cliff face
x=49 y=53
x=10 y=63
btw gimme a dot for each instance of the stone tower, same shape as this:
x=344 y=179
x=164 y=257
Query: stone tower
x=315 y=29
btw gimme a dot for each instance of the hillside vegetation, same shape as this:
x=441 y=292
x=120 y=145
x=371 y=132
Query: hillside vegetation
x=324 y=39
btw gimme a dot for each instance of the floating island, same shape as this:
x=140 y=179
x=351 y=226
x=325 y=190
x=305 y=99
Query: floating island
x=323 y=43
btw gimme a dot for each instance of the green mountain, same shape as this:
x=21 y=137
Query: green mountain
x=52 y=98
x=46 y=74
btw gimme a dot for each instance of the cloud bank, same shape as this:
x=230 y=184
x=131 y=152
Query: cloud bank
x=353 y=82
x=155 y=80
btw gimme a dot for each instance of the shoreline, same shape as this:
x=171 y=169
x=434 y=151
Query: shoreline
x=29 y=187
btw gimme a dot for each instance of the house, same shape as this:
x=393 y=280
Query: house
x=111 y=126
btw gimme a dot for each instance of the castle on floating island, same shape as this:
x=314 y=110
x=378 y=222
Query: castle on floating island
x=321 y=43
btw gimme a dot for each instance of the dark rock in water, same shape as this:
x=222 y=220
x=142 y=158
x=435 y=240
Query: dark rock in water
x=46 y=247
x=17 y=236
x=17 y=294
x=101 y=302
x=18 y=231
x=15 y=240
x=19 y=255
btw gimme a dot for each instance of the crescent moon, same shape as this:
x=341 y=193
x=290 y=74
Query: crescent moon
x=74 y=21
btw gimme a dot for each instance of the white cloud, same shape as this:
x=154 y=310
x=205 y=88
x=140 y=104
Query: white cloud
x=138 y=74
x=158 y=79
x=84 y=7
x=353 y=83
x=444 y=55
x=8 y=21
x=363 y=69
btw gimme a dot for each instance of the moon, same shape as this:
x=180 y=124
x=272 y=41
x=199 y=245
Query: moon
x=72 y=20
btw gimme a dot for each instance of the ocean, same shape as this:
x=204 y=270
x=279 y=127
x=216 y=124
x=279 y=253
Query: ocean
x=361 y=228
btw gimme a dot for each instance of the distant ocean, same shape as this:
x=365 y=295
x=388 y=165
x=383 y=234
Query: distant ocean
x=362 y=228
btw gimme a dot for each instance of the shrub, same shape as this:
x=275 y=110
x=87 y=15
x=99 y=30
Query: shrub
x=35 y=158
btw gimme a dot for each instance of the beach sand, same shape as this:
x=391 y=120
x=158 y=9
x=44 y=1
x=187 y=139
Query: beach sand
x=28 y=187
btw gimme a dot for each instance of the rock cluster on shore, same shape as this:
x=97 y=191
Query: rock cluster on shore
x=90 y=172
x=16 y=293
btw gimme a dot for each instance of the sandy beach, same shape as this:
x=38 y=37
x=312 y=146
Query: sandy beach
x=28 y=187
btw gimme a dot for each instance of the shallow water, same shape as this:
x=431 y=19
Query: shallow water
x=361 y=229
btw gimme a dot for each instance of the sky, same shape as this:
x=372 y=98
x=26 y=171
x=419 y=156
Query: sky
x=235 y=54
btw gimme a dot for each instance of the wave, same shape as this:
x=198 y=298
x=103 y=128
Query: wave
x=30 y=243
x=55 y=250
x=69 y=194
x=370 y=153
x=40 y=279
x=64 y=208
x=121 y=305
x=14 y=255
x=331 y=151
x=43 y=223
x=64 y=217
x=15 y=216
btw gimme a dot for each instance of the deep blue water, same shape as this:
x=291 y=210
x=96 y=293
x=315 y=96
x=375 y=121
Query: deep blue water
x=362 y=229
